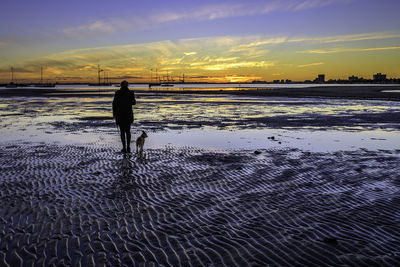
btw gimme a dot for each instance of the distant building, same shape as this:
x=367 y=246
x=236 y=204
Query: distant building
x=353 y=78
x=379 y=77
x=320 y=78
x=257 y=81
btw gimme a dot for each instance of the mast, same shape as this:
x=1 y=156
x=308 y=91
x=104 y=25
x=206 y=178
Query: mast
x=98 y=72
x=157 y=77
x=12 y=75
x=41 y=75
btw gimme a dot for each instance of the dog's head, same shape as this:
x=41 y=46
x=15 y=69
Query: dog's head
x=144 y=135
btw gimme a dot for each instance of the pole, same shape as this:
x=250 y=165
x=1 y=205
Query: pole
x=98 y=72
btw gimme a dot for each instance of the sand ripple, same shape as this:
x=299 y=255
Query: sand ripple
x=89 y=206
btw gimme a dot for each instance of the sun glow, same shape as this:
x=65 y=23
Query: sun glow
x=220 y=59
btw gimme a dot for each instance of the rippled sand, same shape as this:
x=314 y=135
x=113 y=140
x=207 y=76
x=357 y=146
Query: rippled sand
x=68 y=198
x=88 y=205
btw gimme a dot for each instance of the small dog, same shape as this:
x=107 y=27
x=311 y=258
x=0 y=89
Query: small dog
x=140 y=142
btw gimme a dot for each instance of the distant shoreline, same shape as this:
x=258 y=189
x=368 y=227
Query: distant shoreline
x=344 y=82
x=351 y=92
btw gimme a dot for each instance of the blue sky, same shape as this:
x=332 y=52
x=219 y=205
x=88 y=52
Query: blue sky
x=34 y=31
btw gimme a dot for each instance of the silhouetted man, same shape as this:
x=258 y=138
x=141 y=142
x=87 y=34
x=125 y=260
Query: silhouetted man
x=123 y=114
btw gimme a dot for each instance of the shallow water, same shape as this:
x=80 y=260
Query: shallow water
x=208 y=121
x=212 y=86
x=390 y=91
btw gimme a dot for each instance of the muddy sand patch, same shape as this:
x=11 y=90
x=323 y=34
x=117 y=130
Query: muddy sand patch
x=188 y=207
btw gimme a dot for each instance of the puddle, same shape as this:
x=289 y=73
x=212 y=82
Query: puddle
x=315 y=141
x=390 y=91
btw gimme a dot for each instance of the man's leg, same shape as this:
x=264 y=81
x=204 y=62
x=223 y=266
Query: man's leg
x=122 y=132
x=128 y=137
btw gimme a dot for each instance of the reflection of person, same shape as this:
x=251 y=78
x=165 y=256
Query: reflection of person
x=126 y=166
x=123 y=114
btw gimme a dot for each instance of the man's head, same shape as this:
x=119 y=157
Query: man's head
x=124 y=84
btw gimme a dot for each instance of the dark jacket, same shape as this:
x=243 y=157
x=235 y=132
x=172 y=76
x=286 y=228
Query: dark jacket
x=122 y=106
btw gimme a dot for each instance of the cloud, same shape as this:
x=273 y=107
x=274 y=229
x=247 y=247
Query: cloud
x=143 y=21
x=137 y=59
x=92 y=29
x=343 y=50
x=241 y=78
x=126 y=77
x=348 y=38
x=207 y=60
x=259 y=41
x=220 y=11
x=225 y=66
x=18 y=69
x=34 y=65
x=203 y=57
x=202 y=13
x=311 y=64
x=259 y=45
x=254 y=44
x=309 y=4
x=226 y=78
x=208 y=12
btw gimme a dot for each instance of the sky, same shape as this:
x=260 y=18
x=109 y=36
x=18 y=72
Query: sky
x=207 y=41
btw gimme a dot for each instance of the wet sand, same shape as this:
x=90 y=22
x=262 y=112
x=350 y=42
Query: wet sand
x=88 y=205
x=349 y=92
x=64 y=204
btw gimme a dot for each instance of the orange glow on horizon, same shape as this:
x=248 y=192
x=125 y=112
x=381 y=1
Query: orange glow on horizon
x=219 y=59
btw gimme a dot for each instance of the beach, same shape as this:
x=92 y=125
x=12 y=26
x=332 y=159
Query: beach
x=267 y=192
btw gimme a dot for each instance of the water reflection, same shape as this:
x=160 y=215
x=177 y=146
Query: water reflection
x=130 y=162
x=126 y=165
x=78 y=119
x=177 y=110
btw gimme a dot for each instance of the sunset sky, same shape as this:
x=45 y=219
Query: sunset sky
x=206 y=40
